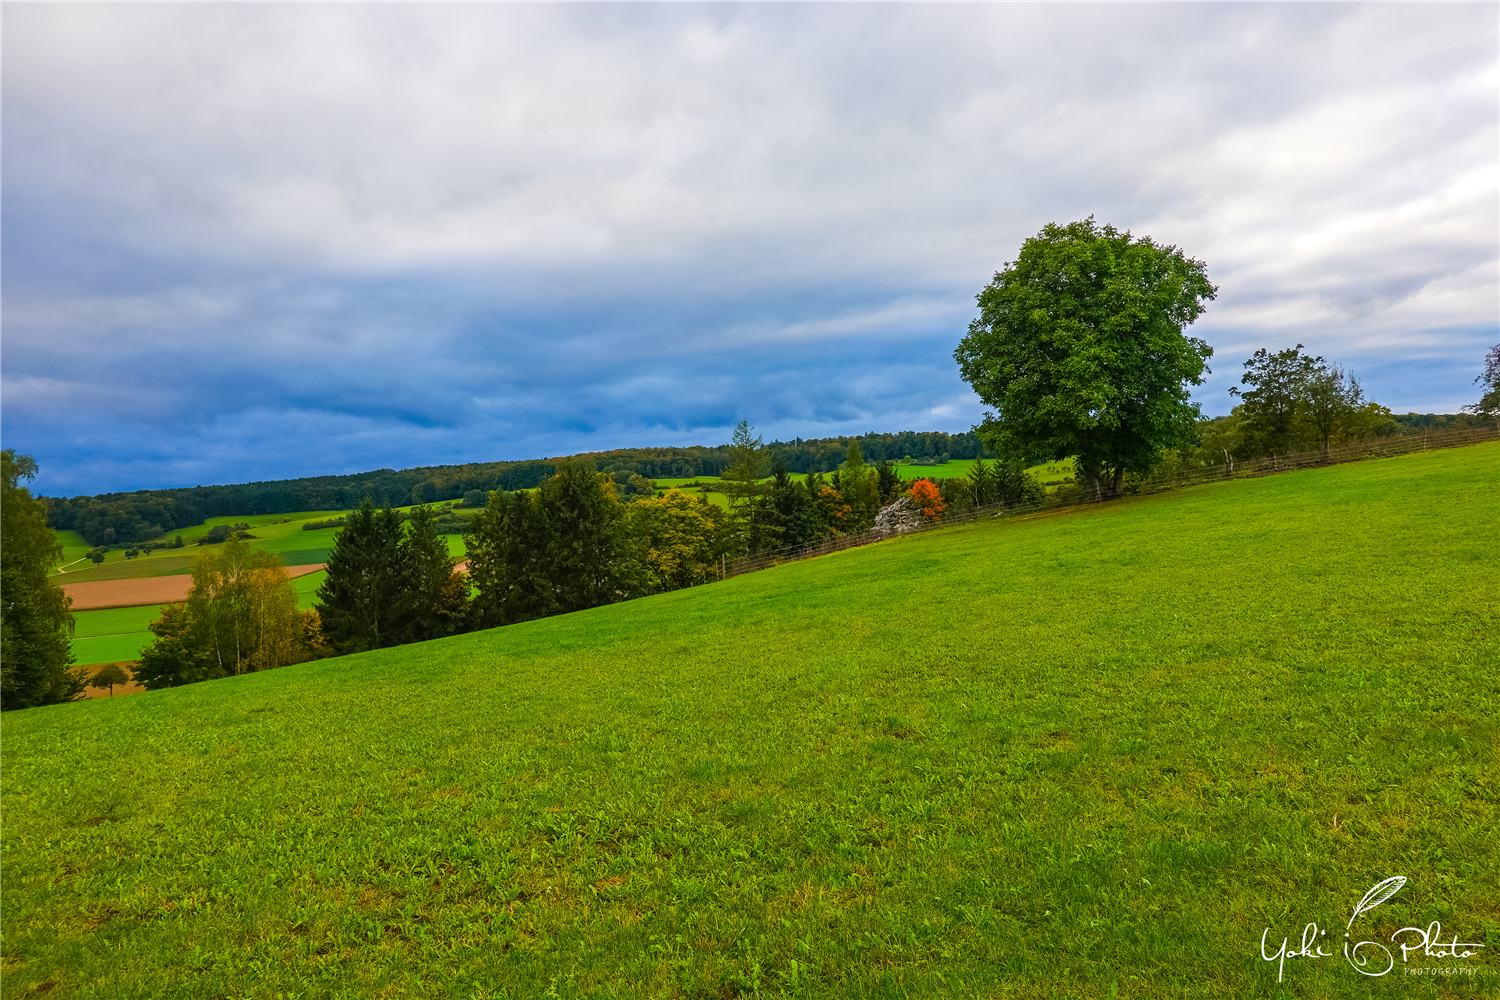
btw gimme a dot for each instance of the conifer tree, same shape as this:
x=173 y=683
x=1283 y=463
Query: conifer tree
x=360 y=603
x=437 y=597
x=508 y=561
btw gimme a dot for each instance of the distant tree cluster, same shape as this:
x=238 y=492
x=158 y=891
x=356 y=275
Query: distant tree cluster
x=584 y=538
x=117 y=519
x=241 y=615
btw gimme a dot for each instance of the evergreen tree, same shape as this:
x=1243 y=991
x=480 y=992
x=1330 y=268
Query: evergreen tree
x=857 y=486
x=35 y=624
x=507 y=550
x=361 y=601
x=437 y=598
x=798 y=515
x=888 y=481
x=564 y=547
x=588 y=562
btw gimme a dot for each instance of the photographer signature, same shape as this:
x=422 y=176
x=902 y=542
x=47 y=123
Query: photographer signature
x=1369 y=957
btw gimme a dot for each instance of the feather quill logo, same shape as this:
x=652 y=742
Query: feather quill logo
x=1378 y=894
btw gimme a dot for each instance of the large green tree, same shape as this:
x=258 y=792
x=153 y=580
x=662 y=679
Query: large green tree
x=437 y=596
x=1079 y=348
x=507 y=546
x=361 y=602
x=35 y=624
x=564 y=546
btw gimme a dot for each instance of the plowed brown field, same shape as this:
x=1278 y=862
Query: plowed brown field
x=148 y=590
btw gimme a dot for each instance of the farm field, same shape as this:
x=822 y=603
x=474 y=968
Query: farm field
x=115 y=635
x=1092 y=753
x=288 y=540
x=281 y=533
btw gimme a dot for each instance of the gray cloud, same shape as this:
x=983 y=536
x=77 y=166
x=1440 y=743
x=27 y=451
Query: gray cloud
x=248 y=241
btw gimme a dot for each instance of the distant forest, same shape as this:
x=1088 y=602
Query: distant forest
x=123 y=518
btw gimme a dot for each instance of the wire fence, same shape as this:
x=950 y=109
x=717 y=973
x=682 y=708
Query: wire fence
x=1083 y=496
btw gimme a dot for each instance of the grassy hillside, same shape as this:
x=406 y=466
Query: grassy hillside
x=1088 y=754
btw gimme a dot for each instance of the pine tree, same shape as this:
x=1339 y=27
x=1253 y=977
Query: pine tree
x=587 y=558
x=360 y=601
x=436 y=600
x=508 y=561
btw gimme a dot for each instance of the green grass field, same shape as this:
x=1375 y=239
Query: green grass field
x=278 y=533
x=1086 y=754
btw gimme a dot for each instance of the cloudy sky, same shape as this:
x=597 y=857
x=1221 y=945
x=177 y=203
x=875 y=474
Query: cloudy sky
x=250 y=242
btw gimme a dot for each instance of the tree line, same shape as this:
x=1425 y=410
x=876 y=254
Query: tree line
x=145 y=515
x=583 y=538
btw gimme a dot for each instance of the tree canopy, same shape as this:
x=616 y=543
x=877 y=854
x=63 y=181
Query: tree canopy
x=1079 y=348
x=35 y=650
x=1489 y=404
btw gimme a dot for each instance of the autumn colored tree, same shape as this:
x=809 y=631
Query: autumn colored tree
x=241 y=615
x=925 y=494
x=243 y=609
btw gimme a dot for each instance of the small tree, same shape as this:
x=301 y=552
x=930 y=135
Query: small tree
x=888 y=481
x=859 y=489
x=1277 y=400
x=926 y=495
x=97 y=556
x=1489 y=379
x=108 y=676
x=748 y=464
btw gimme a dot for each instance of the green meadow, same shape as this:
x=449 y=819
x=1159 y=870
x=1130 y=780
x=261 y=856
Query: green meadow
x=1092 y=753
x=279 y=533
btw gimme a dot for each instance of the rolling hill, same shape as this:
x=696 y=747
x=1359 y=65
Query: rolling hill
x=1094 y=753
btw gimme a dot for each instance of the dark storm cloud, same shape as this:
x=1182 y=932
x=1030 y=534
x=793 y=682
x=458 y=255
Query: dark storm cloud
x=251 y=242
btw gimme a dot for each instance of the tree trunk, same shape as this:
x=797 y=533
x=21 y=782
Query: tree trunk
x=1117 y=488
